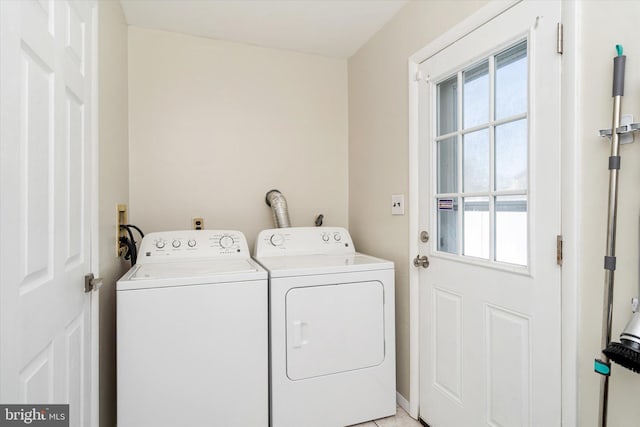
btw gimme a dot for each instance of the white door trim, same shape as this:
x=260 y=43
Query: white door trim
x=570 y=184
x=571 y=82
x=95 y=226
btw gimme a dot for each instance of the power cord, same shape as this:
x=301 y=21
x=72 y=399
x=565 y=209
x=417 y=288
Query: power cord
x=129 y=243
x=135 y=228
x=131 y=251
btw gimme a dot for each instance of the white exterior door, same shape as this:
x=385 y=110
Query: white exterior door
x=489 y=191
x=45 y=204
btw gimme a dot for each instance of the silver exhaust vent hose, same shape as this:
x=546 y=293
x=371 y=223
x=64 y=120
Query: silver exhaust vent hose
x=278 y=204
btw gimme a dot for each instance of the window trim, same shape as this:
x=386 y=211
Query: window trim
x=459 y=133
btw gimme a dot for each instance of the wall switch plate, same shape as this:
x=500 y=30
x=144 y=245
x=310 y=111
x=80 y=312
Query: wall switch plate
x=397 y=204
x=198 y=223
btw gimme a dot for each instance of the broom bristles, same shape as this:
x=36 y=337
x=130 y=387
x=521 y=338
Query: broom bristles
x=624 y=356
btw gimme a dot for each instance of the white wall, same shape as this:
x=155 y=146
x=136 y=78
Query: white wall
x=215 y=125
x=605 y=24
x=378 y=143
x=113 y=185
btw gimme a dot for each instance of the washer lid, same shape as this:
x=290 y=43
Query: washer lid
x=192 y=269
x=306 y=265
x=193 y=272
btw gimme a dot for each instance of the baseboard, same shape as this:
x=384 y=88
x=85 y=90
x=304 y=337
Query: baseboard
x=402 y=402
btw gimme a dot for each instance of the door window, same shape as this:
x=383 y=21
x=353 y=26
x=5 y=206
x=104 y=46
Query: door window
x=481 y=192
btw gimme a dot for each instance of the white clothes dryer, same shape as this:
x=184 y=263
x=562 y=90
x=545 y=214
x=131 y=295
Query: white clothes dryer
x=332 y=328
x=192 y=333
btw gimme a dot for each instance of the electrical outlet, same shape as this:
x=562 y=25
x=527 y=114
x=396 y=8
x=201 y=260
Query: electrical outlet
x=198 y=223
x=121 y=219
x=397 y=204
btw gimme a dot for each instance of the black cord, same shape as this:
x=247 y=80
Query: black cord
x=126 y=243
x=135 y=227
x=131 y=245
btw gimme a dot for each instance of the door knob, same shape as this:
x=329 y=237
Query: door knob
x=421 y=261
x=92 y=283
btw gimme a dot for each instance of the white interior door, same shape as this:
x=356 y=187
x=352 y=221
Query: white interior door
x=490 y=200
x=45 y=203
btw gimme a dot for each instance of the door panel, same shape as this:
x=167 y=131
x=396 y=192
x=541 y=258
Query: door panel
x=334 y=328
x=36 y=175
x=508 y=373
x=447 y=322
x=36 y=378
x=45 y=177
x=489 y=175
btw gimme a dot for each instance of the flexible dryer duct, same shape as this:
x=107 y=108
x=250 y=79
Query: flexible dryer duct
x=278 y=204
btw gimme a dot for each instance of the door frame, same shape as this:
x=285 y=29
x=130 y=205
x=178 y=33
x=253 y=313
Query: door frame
x=94 y=215
x=570 y=186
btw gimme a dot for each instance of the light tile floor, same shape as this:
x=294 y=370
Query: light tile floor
x=401 y=419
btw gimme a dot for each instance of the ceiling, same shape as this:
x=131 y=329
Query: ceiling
x=334 y=28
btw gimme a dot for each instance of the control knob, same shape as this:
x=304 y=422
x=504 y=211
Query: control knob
x=325 y=237
x=191 y=243
x=226 y=242
x=337 y=237
x=176 y=244
x=160 y=244
x=277 y=239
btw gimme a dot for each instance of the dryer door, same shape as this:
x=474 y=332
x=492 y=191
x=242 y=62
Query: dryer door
x=334 y=328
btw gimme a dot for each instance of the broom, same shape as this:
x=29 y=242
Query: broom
x=602 y=366
x=626 y=353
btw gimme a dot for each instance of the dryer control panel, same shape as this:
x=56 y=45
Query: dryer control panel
x=169 y=245
x=303 y=241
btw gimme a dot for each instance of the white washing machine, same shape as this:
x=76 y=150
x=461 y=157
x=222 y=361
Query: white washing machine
x=192 y=333
x=332 y=333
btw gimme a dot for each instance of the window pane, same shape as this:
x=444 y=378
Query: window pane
x=511 y=156
x=511 y=81
x=448 y=106
x=475 y=104
x=511 y=229
x=475 y=160
x=476 y=227
x=448 y=165
x=448 y=225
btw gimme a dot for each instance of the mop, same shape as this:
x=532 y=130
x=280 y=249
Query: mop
x=627 y=352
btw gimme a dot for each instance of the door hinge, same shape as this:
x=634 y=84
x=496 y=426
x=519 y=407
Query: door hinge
x=559 y=254
x=419 y=76
x=560 y=39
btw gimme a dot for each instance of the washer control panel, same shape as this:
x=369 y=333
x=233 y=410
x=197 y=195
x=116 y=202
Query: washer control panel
x=303 y=241
x=167 y=245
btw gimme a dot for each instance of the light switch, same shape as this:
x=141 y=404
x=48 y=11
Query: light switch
x=397 y=204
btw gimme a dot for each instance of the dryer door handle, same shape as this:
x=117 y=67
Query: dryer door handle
x=298 y=334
